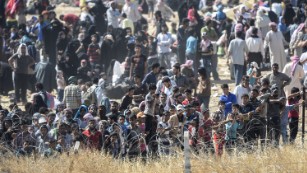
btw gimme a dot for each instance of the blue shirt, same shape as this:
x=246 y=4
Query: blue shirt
x=149 y=78
x=191 y=45
x=284 y=115
x=229 y=100
x=40 y=27
x=231 y=130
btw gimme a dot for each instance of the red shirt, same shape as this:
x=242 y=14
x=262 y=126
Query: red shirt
x=71 y=18
x=93 y=140
x=294 y=113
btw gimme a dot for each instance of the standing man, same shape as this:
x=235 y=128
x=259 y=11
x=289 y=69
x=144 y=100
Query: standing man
x=237 y=50
x=276 y=41
x=181 y=81
x=164 y=47
x=20 y=63
x=151 y=77
x=182 y=40
x=279 y=79
x=138 y=63
x=191 y=48
x=113 y=15
x=150 y=103
x=72 y=94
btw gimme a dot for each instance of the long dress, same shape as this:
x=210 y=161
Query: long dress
x=45 y=74
x=296 y=78
x=275 y=41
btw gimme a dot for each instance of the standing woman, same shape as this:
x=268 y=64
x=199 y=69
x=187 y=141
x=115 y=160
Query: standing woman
x=203 y=89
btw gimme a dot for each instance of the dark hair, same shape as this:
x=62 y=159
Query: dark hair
x=137 y=76
x=177 y=66
x=236 y=106
x=185 y=21
x=178 y=95
x=152 y=86
x=275 y=64
x=245 y=95
x=95 y=80
x=124 y=15
x=158 y=13
x=131 y=88
x=224 y=86
x=255 y=90
x=39 y=86
x=188 y=91
x=138 y=46
x=239 y=34
x=165 y=79
x=202 y=72
x=252 y=22
x=155 y=65
x=254 y=31
x=221 y=102
x=294 y=90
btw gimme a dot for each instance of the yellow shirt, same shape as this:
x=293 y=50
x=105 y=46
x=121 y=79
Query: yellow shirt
x=128 y=23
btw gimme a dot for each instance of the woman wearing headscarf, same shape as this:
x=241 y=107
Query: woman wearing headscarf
x=80 y=116
x=296 y=72
x=20 y=63
x=262 y=22
x=38 y=103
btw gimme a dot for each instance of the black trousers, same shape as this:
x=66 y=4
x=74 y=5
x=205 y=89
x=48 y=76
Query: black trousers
x=293 y=125
x=20 y=84
x=274 y=130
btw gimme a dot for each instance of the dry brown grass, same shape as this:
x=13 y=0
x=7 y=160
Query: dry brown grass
x=287 y=159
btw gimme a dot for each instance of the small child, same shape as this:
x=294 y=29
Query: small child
x=231 y=132
x=205 y=132
x=163 y=131
x=93 y=51
x=253 y=73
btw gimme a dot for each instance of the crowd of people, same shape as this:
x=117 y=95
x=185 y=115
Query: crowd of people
x=65 y=70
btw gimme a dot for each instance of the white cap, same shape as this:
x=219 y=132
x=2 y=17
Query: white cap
x=42 y=120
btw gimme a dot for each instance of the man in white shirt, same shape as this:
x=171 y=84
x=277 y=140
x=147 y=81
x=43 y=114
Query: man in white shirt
x=113 y=15
x=164 y=47
x=237 y=50
x=243 y=88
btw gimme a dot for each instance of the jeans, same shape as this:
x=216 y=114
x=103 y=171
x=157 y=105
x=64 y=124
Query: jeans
x=60 y=94
x=181 y=54
x=238 y=73
x=164 y=59
x=274 y=130
x=20 y=84
x=293 y=125
x=204 y=100
x=284 y=134
x=207 y=63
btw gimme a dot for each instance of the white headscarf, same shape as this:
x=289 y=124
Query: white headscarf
x=19 y=50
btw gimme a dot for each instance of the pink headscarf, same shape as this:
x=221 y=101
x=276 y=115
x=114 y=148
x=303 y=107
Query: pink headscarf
x=295 y=60
x=188 y=63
